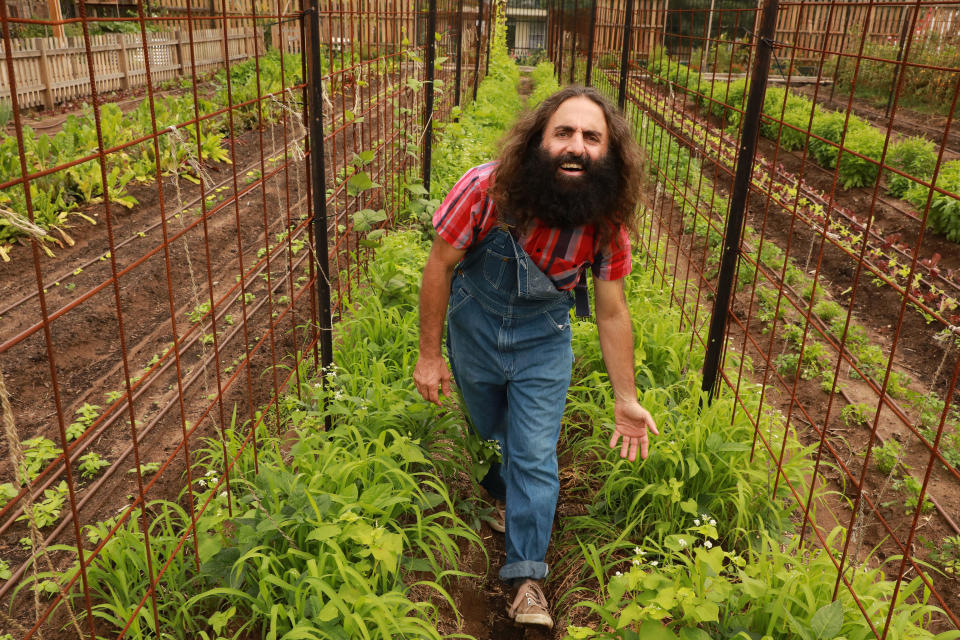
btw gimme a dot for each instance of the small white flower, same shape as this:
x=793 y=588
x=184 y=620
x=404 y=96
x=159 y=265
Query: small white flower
x=708 y=544
x=637 y=551
x=682 y=542
x=654 y=563
x=209 y=473
x=619 y=574
x=696 y=521
x=713 y=522
x=636 y=563
x=223 y=494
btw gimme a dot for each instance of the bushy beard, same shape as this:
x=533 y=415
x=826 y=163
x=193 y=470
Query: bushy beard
x=560 y=201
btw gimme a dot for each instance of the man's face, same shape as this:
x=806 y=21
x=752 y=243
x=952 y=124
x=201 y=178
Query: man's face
x=570 y=179
x=576 y=135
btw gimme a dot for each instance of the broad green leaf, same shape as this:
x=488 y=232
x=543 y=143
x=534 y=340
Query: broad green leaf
x=328 y=613
x=693 y=633
x=655 y=631
x=324 y=532
x=689 y=506
x=827 y=621
x=360 y=182
x=707 y=612
x=631 y=613
x=220 y=619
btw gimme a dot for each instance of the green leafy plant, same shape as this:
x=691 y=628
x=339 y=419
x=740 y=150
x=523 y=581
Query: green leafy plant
x=886 y=457
x=912 y=487
x=36 y=453
x=857 y=414
x=86 y=415
x=948 y=555
x=91 y=463
x=47 y=511
x=7 y=493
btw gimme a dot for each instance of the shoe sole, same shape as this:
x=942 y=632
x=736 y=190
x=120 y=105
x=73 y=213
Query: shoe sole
x=538 y=619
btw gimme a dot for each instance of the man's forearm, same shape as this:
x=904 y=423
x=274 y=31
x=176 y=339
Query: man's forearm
x=434 y=296
x=616 y=344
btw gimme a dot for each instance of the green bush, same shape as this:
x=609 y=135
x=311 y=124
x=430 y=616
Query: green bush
x=914 y=156
x=829 y=126
x=944 y=217
x=867 y=141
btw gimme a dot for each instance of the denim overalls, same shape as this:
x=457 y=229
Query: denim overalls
x=508 y=339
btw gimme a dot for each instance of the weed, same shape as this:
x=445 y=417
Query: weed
x=886 y=457
x=857 y=414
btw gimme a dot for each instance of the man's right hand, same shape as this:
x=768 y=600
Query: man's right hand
x=432 y=377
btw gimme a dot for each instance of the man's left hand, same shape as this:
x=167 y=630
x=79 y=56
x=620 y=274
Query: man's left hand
x=632 y=424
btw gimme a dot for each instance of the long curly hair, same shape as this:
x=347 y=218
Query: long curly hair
x=528 y=133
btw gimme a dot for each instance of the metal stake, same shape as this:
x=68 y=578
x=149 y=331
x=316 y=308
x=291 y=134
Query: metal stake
x=738 y=199
x=625 y=55
x=590 y=43
x=428 y=111
x=318 y=178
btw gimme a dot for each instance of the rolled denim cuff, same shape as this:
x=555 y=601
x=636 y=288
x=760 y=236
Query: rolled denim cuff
x=524 y=569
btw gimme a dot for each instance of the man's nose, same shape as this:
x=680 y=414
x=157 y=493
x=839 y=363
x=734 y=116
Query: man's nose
x=576 y=144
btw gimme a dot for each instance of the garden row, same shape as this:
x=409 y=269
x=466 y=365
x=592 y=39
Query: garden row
x=836 y=139
x=888 y=266
x=68 y=162
x=808 y=346
x=928 y=80
x=186 y=536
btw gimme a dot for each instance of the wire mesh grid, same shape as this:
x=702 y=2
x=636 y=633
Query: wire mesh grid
x=160 y=276
x=845 y=307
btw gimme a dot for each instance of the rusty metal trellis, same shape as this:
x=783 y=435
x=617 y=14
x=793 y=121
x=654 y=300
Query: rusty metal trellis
x=197 y=243
x=846 y=295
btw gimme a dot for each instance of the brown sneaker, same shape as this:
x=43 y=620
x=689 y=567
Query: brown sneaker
x=530 y=606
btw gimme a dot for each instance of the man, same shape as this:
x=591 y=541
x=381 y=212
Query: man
x=514 y=239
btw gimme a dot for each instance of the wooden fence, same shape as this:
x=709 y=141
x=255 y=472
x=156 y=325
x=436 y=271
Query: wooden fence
x=809 y=26
x=50 y=71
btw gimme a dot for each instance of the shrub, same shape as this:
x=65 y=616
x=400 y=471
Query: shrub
x=914 y=156
x=829 y=126
x=868 y=141
x=944 y=217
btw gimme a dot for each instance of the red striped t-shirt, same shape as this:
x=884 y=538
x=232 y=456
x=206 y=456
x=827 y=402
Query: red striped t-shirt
x=560 y=253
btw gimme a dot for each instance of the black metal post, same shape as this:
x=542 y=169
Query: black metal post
x=476 y=62
x=491 y=23
x=456 y=98
x=319 y=183
x=738 y=198
x=563 y=16
x=428 y=111
x=573 y=41
x=625 y=56
x=590 y=44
